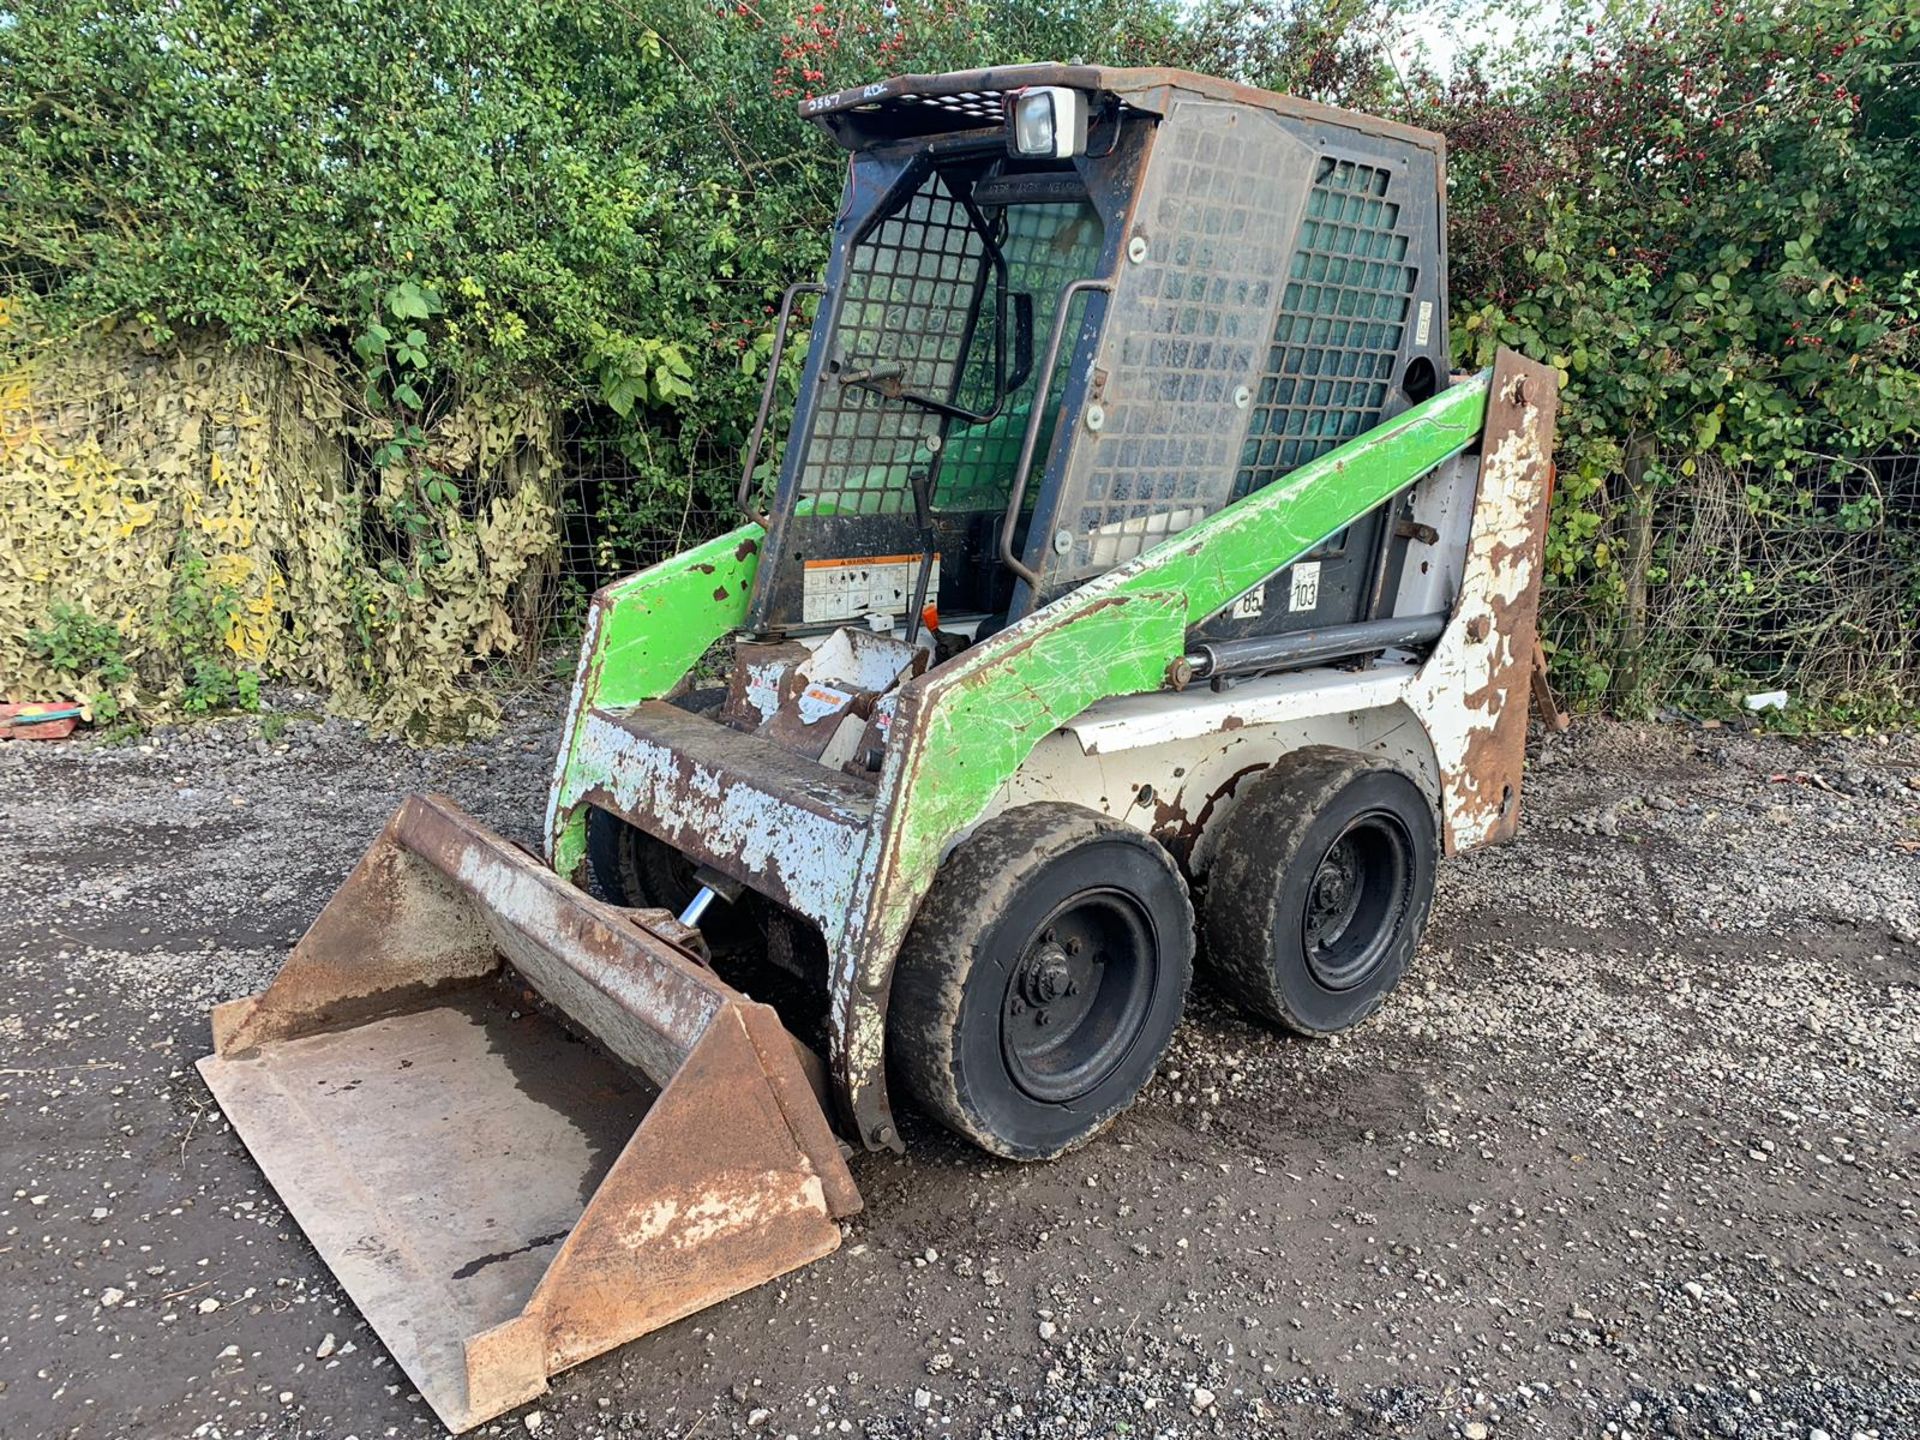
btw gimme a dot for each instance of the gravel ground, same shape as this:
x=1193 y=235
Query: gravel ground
x=1633 y=1153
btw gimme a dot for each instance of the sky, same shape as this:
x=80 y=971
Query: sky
x=1446 y=28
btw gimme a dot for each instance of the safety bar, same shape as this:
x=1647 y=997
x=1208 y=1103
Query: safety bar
x=799 y=287
x=1016 y=496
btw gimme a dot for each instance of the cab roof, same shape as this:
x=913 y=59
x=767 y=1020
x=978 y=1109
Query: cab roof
x=911 y=106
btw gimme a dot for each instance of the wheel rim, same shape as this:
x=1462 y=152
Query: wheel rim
x=1356 y=901
x=1077 y=996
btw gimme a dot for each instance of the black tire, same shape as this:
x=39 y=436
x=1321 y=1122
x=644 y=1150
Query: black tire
x=1042 y=980
x=641 y=872
x=1320 y=889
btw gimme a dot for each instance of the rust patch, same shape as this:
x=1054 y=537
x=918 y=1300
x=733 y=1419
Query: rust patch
x=746 y=547
x=704 y=568
x=1181 y=834
x=719 y=592
x=1486 y=776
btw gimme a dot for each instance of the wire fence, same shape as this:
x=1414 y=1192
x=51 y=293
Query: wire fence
x=1815 y=591
x=618 y=516
x=1752 y=587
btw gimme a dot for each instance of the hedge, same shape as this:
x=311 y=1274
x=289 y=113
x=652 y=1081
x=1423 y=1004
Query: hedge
x=1701 y=214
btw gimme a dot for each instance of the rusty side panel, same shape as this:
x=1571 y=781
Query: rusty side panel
x=790 y=828
x=1472 y=693
x=396 y=928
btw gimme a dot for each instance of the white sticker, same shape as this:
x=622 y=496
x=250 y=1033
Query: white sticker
x=847 y=589
x=1424 y=325
x=1304 y=593
x=1252 y=605
x=816 y=702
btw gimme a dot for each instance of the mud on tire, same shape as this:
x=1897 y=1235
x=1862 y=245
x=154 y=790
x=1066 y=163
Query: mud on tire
x=1042 y=979
x=1320 y=889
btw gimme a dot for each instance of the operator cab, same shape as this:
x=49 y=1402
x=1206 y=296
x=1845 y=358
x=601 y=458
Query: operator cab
x=1070 y=311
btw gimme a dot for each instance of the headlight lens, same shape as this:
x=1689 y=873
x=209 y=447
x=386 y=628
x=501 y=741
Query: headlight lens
x=1033 y=123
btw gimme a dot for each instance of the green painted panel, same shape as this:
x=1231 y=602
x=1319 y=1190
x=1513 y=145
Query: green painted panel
x=980 y=728
x=981 y=715
x=655 y=625
x=647 y=631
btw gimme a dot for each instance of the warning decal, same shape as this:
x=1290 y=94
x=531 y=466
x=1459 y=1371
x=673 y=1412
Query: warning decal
x=848 y=589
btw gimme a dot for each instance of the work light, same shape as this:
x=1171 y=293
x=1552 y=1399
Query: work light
x=1048 y=122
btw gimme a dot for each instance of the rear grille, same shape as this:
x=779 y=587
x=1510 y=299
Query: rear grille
x=1342 y=319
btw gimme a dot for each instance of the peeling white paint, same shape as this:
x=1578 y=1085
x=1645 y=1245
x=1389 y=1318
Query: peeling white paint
x=813 y=855
x=747 y=1203
x=1454 y=694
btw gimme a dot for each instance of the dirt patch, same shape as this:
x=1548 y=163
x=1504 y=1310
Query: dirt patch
x=1633 y=1152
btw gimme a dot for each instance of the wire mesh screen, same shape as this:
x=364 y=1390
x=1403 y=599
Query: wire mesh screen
x=1739 y=581
x=1186 y=334
x=912 y=291
x=1343 y=316
x=1046 y=246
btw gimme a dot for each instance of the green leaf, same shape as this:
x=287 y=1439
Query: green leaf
x=406 y=301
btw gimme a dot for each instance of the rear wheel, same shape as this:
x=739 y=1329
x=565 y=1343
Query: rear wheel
x=1320 y=889
x=638 y=871
x=1042 y=979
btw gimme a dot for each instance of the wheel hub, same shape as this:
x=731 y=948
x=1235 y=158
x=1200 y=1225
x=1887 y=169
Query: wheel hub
x=1075 y=997
x=1047 y=975
x=1331 y=887
x=1355 y=901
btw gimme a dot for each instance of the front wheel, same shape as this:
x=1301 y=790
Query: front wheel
x=1320 y=889
x=1042 y=979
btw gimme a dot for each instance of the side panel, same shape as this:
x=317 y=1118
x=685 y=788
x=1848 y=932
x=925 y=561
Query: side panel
x=963 y=730
x=1180 y=790
x=643 y=634
x=1473 y=692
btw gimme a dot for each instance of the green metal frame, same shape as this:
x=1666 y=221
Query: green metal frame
x=963 y=730
x=644 y=634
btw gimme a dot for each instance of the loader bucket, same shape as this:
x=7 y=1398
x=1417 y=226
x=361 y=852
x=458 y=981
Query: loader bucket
x=501 y=1198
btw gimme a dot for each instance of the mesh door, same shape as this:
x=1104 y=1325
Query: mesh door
x=912 y=288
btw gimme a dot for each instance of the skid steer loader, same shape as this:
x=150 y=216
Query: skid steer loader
x=1133 y=580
